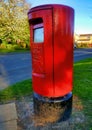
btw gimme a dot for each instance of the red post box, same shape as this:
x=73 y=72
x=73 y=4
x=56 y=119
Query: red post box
x=51 y=39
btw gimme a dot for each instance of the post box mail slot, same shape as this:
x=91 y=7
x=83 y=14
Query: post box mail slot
x=51 y=39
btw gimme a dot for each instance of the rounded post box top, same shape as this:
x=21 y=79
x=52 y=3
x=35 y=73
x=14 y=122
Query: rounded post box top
x=48 y=6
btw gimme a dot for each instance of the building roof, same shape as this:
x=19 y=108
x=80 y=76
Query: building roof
x=85 y=35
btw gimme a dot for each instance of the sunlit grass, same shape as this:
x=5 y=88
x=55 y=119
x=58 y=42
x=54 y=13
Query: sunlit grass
x=16 y=91
x=83 y=79
x=83 y=84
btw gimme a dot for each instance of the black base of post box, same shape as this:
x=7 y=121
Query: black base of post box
x=53 y=109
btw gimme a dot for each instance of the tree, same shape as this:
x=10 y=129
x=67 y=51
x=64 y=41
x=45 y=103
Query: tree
x=13 y=20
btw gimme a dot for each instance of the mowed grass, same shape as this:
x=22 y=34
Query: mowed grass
x=83 y=79
x=16 y=91
x=83 y=84
x=4 y=51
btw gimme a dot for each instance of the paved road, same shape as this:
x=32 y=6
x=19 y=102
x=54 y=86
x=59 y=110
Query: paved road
x=17 y=67
x=14 y=68
x=80 y=54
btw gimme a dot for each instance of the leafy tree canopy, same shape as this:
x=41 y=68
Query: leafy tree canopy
x=13 y=20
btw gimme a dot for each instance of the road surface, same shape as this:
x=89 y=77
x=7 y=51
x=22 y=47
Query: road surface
x=80 y=54
x=17 y=67
x=14 y=68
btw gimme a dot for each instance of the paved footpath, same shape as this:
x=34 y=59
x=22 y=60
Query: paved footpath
x=8 y=117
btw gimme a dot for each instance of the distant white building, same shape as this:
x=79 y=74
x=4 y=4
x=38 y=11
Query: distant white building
x=83 y=38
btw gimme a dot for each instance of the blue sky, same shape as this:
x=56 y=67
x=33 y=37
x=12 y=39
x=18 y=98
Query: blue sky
x=83 y=12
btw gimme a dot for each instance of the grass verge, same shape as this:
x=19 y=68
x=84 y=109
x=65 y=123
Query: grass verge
x=16 y=91
x=83 y=85
x=4 y=51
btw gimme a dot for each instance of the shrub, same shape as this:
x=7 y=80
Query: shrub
x=9 y=41
x=0 y=41
x=17 y=47
x=3 y=46
x=23 y=45
x=28 y=46
x=82 y=45
x=18 y=41
x=9 y=46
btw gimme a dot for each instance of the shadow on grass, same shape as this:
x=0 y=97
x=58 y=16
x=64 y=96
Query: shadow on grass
x=16 y=91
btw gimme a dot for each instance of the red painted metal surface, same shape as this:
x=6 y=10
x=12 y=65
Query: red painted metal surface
x=52 y=59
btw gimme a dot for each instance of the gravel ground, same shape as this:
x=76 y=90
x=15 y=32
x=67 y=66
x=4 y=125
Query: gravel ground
x=28 y=121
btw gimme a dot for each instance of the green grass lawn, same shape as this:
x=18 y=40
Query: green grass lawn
x=3 y=51
x=16 y=91
x=83 y=79
x=82 y=87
